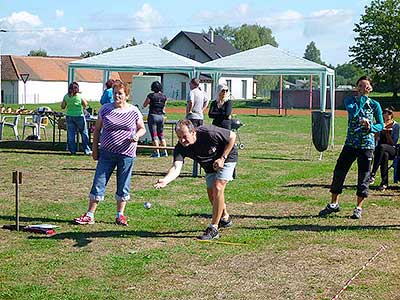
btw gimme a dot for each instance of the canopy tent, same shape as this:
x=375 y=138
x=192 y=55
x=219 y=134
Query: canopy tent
x=141 y=58
x=269 y=60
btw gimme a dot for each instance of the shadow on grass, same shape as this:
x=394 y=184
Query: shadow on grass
x=33 y=145
x=82 y=239
x=37 y=152
x=328 y=186
x=34 y=220
x=312 y=185
x=198 y=215
x=134 y=172
x=322 y=228
x=277 y=158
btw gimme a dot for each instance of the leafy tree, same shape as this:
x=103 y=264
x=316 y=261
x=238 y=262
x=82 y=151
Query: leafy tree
x=88 y=54
x=227 y=32
x=377 y=43
x=312 y=53
x=251 y=36
x=163 y=42
x=266 y=83
x=39 y=52
x=109 y=49
x=348 y=74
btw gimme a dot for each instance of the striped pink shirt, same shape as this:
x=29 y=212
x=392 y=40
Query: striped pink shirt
x=118 y=127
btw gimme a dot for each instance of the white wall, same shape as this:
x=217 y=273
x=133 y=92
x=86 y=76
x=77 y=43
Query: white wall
x=237 y=90
x=172 y=86
x=49 y=91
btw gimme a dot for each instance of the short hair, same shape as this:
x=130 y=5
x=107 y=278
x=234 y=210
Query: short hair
x=110 y=83
x=195 y=81
x=119 y=84
x=156 y=87
x=184 y=123
x=365 y=77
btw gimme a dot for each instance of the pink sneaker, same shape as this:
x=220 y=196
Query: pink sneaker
x=121 y=221
x=84 y=220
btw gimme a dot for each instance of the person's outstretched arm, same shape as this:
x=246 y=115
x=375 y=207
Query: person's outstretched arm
x=172 y=174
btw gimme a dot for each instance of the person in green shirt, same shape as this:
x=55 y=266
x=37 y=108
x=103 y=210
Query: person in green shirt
x=74 y=105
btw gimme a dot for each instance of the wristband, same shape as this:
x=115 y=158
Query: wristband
x=224 y=157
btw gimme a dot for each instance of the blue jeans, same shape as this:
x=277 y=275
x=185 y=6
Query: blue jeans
x=105 y=166
x=75 y=124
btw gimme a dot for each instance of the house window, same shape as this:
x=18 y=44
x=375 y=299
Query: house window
x=244 y=89
x=229 y=84
x=183 y=91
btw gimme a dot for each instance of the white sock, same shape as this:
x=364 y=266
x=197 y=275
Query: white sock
x=119 y=214
x=359 y=208
x=90 y=214
x=334 y=205
x=225 y=217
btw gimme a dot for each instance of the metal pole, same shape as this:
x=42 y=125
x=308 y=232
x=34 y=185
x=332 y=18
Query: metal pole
x=311 y=84
x=24 y=93
x=280 y=95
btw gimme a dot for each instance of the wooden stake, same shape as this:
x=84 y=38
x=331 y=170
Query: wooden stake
x=17 y=179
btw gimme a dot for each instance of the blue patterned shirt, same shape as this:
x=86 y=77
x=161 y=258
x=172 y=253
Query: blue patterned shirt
x=362 y=107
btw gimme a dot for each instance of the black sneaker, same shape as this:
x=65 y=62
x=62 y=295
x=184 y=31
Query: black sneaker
x=209 y=234
x=356 y=213
x=225 y=223
x=328 y=210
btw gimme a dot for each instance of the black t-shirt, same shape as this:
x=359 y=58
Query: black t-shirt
x=209 y=146
x=157 y=103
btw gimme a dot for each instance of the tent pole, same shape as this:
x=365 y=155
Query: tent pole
x=311 y=84
x=106 y=76
x=333 y=107
x=280 y=94
x=322 y=91
x=71 y=75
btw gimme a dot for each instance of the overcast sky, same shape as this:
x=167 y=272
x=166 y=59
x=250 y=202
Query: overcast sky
x=67 y=28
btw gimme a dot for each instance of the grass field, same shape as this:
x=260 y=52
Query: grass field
x=277 y=249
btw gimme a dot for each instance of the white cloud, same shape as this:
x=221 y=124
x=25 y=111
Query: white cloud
x=243 y=9
x=19 y=20
x=240 y=14
x=147 y=17
x=326 y=21
x=282 y=21
x=59 y=13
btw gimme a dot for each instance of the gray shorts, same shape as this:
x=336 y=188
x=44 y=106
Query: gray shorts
x=226 y=173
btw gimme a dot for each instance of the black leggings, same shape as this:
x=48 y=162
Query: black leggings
x=382 y=154
x=156 y=126
x=343 y=164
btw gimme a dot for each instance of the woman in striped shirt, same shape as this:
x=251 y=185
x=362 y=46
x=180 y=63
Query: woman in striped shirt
x=121 y=125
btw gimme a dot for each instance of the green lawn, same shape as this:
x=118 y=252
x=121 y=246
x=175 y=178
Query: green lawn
x=277 y=248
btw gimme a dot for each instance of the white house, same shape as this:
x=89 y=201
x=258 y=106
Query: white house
x=46 y=80
x=204 y=47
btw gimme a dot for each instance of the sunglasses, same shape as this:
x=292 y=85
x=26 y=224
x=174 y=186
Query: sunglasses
x=224 y=91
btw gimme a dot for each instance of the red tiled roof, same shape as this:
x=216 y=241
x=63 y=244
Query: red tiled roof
x=47 y=69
